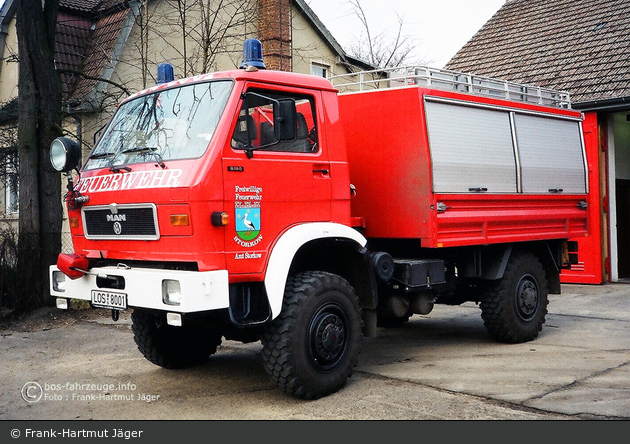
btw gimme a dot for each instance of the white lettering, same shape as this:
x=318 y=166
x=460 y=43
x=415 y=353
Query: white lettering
x=104 y=182
x=253 y=243
x=173 y=180
x=94 y=184
x=248 y=197
x=131 y=180
x=256 y=190
x=115 y=183
x=116 y=217
x=127 y=181
x=158 y=178
x=145 y=176
x=248 y=255
x=30 y=433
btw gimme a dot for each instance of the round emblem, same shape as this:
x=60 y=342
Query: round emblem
x=117 y=228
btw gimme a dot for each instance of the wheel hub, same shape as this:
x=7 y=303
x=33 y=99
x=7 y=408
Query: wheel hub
x=327 y=339
x=527 y=298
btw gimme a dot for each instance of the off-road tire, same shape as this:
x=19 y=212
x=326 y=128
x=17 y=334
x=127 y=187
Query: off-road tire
x=173 y=347
x=514 y=308
x=311 y=349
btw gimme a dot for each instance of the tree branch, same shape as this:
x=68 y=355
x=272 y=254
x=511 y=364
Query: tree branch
x=98 y=79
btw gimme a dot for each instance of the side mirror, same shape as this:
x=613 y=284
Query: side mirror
x=285 y=116
x=65 y=154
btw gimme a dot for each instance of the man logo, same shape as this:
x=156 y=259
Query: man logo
x=117 y=228
x=116 y=217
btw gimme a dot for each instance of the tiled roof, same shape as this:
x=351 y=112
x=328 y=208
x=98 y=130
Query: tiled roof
x=89 y=6
x=71 y=41
x=86 y=33
x=577 y=46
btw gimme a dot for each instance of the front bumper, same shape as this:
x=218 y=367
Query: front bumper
x=144 y=287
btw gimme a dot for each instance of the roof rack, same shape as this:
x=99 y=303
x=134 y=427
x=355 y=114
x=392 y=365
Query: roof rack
x=407 y=76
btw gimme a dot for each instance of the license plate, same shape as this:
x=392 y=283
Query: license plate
x=108 y=299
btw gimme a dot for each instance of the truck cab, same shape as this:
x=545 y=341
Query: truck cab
x=199 y=201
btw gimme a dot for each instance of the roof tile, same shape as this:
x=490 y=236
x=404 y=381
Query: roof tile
x=86 y=33
x=563 y=44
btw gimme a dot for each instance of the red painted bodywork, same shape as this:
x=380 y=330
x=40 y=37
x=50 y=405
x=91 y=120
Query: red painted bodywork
x=590 y=268
x=292 y=190
x=390 y=166
x=387 y=158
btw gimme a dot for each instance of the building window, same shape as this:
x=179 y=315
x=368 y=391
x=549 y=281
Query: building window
x=11 y=188
x=319 y=69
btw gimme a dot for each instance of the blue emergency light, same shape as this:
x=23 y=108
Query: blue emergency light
x=252 y=54
x=165 y=73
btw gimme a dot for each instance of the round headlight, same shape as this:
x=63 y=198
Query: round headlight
x=64 y=154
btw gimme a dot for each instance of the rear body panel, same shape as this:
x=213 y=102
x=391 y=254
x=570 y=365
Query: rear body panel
x=408 y=189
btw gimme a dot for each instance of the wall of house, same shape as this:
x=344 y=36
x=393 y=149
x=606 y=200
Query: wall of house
x=165 y=45
x=9 y=68
x=8 y=91
x=310 y=48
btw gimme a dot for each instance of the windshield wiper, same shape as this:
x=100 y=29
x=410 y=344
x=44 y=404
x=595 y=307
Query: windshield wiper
x=99 y=155
x=116 y=169
x=112 y=167
x=146 y=149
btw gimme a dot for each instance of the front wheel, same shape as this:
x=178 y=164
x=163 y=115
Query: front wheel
x=173 y=347
x=514 y=308
x=312 y=347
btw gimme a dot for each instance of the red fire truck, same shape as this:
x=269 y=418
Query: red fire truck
x=255 y=205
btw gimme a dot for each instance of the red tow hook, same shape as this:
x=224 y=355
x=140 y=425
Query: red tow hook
x=73 y=265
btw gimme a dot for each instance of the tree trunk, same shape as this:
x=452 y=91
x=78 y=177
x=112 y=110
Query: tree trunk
x=39 y=94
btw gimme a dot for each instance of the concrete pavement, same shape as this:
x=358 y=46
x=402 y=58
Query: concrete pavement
x=439 y=366
x=579 y=365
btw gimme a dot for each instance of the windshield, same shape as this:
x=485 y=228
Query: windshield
x=176 y=123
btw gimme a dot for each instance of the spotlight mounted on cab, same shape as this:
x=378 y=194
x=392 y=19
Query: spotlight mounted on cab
x=65 y=154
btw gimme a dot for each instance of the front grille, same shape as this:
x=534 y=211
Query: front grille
x=132 y=221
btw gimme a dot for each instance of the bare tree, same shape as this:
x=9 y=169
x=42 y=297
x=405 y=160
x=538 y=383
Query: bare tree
x=39 y=123
x=382 y=49
x=143 y=18
x=204 y=30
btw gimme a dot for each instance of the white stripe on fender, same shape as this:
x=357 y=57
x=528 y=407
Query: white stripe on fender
x=285 y=249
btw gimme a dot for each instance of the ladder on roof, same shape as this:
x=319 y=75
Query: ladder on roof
x=402 y=77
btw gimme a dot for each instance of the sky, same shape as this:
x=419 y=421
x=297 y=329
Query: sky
x=439 y=28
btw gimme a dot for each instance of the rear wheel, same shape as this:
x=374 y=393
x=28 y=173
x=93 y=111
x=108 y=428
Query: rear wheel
x=312 y=347
x=514 y=307
x=173 y=347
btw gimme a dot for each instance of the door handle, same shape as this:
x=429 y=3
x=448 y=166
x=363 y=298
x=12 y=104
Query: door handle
x=321 y=170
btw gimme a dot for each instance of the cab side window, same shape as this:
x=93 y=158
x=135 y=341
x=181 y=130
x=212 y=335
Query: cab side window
x=255 y=126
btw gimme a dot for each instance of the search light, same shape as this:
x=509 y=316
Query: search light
x=65 y=154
